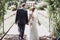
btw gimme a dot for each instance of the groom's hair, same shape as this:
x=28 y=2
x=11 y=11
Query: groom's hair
x=23 y=4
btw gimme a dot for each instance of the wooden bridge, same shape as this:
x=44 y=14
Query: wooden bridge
x=11 y=29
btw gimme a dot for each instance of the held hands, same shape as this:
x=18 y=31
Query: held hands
x=27 y=23
x=15 y=22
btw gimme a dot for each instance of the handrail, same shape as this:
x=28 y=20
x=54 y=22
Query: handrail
x=7 y=31
x=46 y=17
x=43 y=15
x=9 y=16
x=9 y=28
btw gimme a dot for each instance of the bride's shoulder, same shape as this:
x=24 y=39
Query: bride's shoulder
x=29 y=12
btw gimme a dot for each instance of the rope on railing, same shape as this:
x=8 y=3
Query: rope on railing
x=7 y=31
x=43 y=15
x=9 y=17
x=9 y=28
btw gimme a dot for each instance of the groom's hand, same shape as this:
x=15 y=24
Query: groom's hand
x=15 y=22
x=27 y=23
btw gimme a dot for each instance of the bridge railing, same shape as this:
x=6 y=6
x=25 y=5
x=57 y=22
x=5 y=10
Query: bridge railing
x=44 y=18
x=9 y=21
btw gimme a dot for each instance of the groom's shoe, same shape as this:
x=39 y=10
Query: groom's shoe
x=20 y=38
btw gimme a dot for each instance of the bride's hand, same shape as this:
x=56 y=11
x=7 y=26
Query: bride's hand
x=28 y=23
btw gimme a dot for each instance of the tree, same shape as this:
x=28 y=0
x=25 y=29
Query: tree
x=2 y=11
x=54 y=15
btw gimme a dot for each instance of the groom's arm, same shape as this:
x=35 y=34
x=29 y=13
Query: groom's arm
x=26 y=17
x=17 y=13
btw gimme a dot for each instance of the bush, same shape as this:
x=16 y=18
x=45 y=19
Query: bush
x=41 y=8
x=41 y=5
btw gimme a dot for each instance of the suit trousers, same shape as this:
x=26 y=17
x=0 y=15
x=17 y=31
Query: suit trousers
x=21 y=28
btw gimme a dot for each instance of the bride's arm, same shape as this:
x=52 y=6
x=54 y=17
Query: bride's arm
x=30 y=15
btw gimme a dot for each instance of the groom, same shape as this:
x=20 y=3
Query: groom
x=21 y=20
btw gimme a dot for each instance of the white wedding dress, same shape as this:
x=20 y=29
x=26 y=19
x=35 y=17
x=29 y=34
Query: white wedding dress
x=33 y=27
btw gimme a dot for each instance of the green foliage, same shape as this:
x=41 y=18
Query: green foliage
x=2 y=12
x=41 y=8
x=54 y=14
x=2 y=8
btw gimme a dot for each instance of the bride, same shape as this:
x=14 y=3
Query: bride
x=33 y=21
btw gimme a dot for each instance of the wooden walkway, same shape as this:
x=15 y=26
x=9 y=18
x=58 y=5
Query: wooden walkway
x=16 y=37
x=43 y=29
x=13 y=37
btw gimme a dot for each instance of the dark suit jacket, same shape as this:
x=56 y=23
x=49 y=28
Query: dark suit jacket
x=21 y=16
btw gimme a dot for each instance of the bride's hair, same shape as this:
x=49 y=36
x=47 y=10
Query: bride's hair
x=32 y=8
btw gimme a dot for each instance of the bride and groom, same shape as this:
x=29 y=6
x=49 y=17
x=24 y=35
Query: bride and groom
x=22 y=19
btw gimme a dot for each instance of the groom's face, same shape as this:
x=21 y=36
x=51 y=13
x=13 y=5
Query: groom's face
x=25 y=6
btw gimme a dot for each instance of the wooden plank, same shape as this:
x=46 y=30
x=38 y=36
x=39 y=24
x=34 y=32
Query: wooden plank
x=13 y=37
